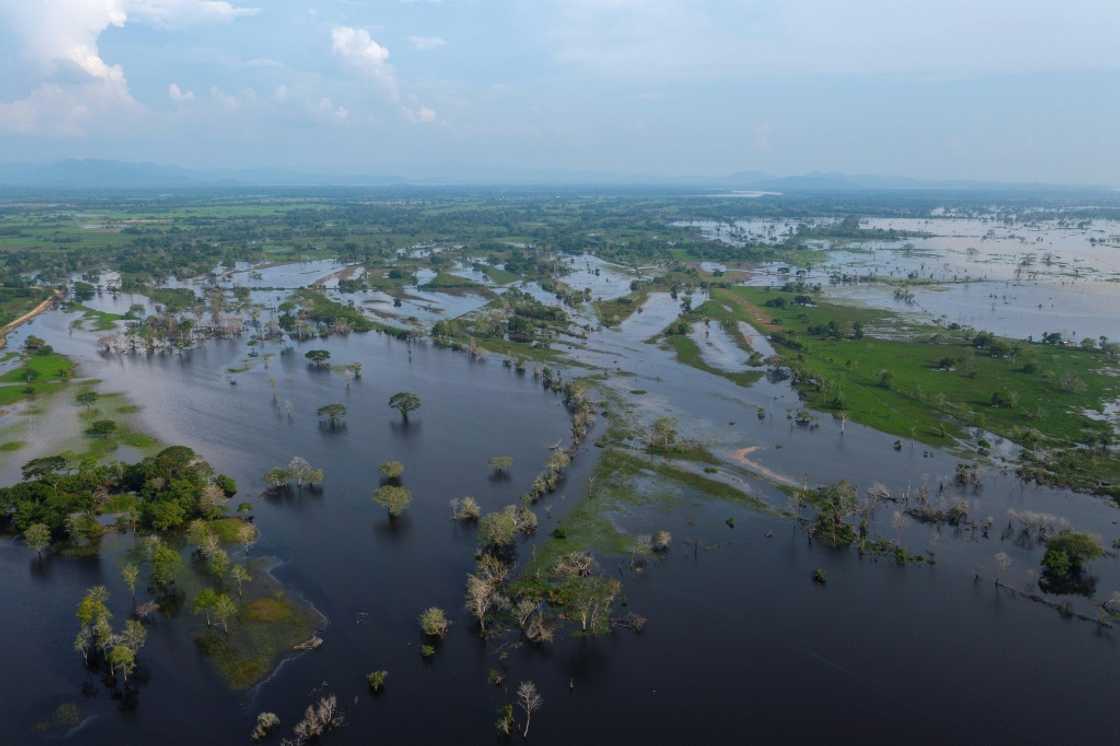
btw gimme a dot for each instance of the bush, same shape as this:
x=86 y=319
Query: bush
x=102 y=428
x=376 y=681
x=434 y=623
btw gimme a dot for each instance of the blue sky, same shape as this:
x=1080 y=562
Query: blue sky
x=564 y=89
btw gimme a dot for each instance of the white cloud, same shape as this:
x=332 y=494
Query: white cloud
x=362 y=53
x=175 y=93
x=67 y=110
x=427 y=43
x=75 y=86
x=358 y=49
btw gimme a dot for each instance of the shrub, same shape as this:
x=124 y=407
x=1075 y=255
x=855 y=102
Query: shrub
x=376 y=681
x=434 y=623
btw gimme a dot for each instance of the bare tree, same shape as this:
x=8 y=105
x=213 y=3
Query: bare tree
x=530 y=701
x=1002 y=563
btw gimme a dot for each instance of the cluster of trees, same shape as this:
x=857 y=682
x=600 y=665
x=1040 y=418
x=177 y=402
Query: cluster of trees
x=1063 y=564
x=96 y=640
x=170 y=489
x=298 y=472
x=391 y=495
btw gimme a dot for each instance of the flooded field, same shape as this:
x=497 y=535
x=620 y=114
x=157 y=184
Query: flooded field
x=754 y=624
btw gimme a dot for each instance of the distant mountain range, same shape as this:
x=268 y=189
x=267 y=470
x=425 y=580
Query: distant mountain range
x=91 y=174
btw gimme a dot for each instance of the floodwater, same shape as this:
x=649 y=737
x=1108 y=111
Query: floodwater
x=740 y=640
x=1020 y=280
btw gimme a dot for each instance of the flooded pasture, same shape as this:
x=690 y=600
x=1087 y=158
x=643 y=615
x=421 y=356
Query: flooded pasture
x=739 y=639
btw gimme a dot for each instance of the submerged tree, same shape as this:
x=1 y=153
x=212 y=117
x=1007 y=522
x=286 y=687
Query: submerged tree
x=334 y=414
x=497 y=531
x=165 y=563
x=204 y=604
x=392 y=470
x=434 y=623
x=298 y=471
x=465 y=509
x=240 y=576
x=1065 y=559
x=404 y=402
x=501 y=464
x=482 y=596
x=394 y=499
x=131 y=573
x=225 y=608
x=38 y=537
x=530 y=700
x=122 y=660
x=318 y=358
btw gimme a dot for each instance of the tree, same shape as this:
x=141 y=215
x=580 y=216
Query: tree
x=588 y=596
x=131 y=573
x=165 y=563
x=204 y=603
x=501 y=464
x=404 y=402
x=505 y=723
x=93 y=618
x=465 y=509
x=240 y=576
x=87 y=398
x=318 y=358
x=102 y=428
x=393 y=498
x=393 y=470
x=47 y=466
x=134 y=635
x=481 y=597
x=38 y=537
x=297 y=470
x=122 y=660
x=217 y=562
x=266 y=721
x=376 y=681
x=497 y=530
x=530 y=700
x=1002 y=563
x=225 y=608
x=1067 y=553
x=335 y=414
x=434 y=623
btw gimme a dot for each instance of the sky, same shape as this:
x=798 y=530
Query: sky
x=492 y=90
